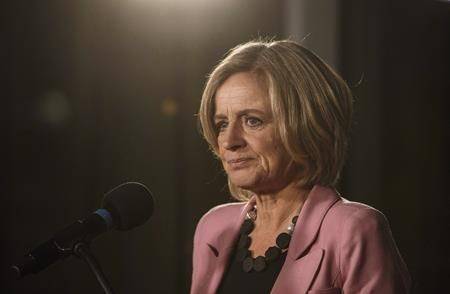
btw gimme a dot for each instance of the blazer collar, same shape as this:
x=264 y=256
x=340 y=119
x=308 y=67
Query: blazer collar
x=221 y=246
x=319 y=201
x=316 y=206
x=224 y=241
x=301 y=265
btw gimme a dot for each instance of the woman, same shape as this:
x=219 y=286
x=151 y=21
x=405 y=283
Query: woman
x=278 y=118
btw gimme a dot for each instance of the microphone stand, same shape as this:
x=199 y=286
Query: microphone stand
x=82 y=250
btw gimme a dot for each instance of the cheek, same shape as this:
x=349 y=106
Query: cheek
x=220 y=150
x=273 y=155
x=268 y=153
x=219 y=154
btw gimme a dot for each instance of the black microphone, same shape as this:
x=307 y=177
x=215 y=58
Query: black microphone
x=127 y=206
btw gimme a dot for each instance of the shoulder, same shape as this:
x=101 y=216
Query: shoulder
x=221 y=215
x=356 y=231
x=368 y=257
x=223 y=212
x=348 y=219
x=346 y=212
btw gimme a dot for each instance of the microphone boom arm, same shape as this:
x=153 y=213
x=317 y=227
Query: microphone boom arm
x=83 y=251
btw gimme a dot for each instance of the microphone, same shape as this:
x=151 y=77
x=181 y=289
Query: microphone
x=127 y=206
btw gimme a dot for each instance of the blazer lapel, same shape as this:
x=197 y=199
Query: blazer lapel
x=297 y=277
x=301 y=265
x=221 y=246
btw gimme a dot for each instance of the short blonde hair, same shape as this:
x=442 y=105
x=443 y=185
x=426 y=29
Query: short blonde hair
x=311 y=104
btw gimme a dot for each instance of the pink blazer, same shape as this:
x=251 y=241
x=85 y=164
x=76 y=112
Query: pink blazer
x=338 y=246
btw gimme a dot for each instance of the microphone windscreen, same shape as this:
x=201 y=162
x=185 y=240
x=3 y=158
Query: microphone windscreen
x=131 y=204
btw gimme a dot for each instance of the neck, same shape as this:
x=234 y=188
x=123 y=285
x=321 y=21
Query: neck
x=274 y=209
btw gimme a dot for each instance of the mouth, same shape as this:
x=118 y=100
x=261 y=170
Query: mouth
x=239 y=162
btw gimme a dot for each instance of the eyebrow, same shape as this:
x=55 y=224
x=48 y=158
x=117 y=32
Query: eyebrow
x=240 y=113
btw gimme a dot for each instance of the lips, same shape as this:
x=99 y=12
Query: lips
x=239 y=162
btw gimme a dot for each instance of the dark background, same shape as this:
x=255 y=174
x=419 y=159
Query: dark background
x=96 y=93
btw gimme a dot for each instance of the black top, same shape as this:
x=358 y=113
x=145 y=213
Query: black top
x=236 y=281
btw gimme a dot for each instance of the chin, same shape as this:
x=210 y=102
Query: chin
x=243 y=180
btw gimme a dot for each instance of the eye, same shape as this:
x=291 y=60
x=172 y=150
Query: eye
x=253 y=122
x=221 y=125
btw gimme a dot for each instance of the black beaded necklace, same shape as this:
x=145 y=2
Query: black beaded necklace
x=260 y=263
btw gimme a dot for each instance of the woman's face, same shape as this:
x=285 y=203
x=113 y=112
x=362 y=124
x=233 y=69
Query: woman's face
x=251 y=152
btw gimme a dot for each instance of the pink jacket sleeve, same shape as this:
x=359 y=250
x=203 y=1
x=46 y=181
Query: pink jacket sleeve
x=369 y=260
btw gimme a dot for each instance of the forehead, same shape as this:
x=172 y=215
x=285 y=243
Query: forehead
x=241 y=91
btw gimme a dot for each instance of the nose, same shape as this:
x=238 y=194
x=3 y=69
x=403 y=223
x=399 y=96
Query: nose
x=232 y=137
